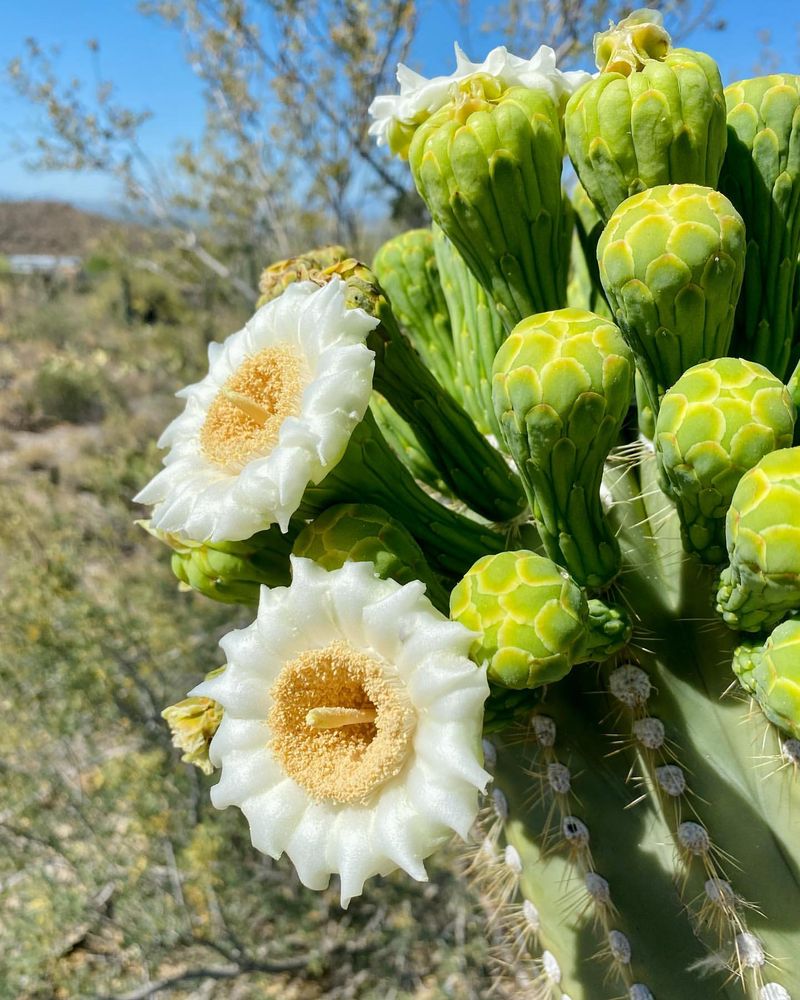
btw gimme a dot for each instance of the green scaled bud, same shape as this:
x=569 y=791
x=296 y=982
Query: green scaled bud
x=276 y=278
x=530 y=615
x=231 y=572
x=488 y=166
x=193 y=723
x=355 y=532
x=478 y=332
x=654 y=115
x=761 y=176
x=762 y=583
x=672 y=261
x=533 y=620
x=562 y=387
x=717 y=421
x=771 y=674
x=407 y=269
x=610 y=630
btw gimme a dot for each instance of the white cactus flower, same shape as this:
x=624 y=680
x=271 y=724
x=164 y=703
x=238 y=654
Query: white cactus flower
x=421 y=97
x=351 y=727
x=273 y=414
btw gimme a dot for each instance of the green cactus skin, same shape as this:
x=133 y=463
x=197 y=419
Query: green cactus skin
x=364 y=533
x=632 y=844
x=762 y=583
x=761 y=176
x=718 y=420
x=489 y=169
x=478 y=333
x=472 y=469
x=404 y=442
x=407 y=269
x=771 y=674
x=671 y=262
x=664 y=123
x=533 y=620
x=231 y=572
x=562 y=386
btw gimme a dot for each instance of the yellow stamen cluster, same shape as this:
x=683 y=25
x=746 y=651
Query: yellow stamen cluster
x=244 y=419
x=341 y=725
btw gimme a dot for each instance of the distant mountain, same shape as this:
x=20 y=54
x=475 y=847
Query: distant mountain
x=51 y=227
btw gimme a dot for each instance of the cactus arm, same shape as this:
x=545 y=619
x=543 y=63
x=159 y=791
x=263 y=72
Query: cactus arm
x=711 y=744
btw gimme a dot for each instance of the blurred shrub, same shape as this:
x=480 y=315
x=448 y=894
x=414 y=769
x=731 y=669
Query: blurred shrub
x=67 y=388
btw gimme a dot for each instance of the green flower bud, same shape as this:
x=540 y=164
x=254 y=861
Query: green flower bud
x=719 y=420
x=405 y=444
x=562 y=387
x=193 y=723
x=472 y=469
x=654 y=115
x=231 y=572
x=762 y=583
x=771 y=674
x=610 y=629
x=478 y=332
x=276 y=278
x=407 y=269
x=365 y=533
x=533 y=620
x=671 y=261
x=530 y=614
x=761 y=176
x=488 y=166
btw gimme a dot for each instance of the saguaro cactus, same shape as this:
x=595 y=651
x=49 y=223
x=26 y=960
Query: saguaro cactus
x=627 y=645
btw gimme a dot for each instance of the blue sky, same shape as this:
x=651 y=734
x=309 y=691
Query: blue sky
x=144 y=59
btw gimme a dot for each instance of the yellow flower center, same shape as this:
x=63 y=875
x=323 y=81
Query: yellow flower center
x=244 y=419
x=341 y=724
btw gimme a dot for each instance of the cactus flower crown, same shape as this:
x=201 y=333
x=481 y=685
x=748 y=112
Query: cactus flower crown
x=533 y=477
x=420 y=96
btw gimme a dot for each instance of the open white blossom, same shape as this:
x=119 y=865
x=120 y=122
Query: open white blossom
x=351 y=728
x=420 y=97
x=273 y=414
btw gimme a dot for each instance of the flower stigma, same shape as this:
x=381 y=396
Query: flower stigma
x=341 y=726
x=244 y=419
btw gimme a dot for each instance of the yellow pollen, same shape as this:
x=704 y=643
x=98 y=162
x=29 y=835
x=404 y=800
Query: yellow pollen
x=341 y=723
x=244 y=419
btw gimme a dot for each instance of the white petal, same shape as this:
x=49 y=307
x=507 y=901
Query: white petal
x=454 y=806
x=307 y=845
x=274 y=815
x=386 y=622
x=237 y=734
x=204 y=501
x=402 y=837
x=445 y=746
x=245 y=773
